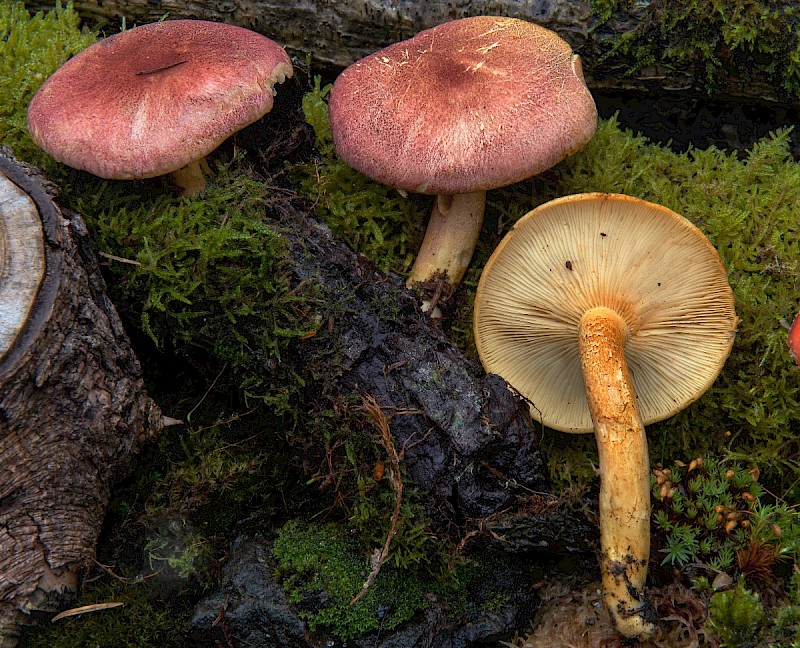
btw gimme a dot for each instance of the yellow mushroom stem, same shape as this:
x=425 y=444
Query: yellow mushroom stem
x=624 y=470
x=450 y=238
x=191 y=179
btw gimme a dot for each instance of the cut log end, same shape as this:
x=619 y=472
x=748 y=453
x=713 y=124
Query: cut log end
x=72 y=417
x=22 y=263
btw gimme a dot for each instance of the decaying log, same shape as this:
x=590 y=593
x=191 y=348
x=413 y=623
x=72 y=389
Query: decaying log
x=73 y=408
x=338 y=32
x=468 y=443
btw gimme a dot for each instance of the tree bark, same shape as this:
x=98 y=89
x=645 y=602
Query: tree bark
x=73 y=407
x=338 y=32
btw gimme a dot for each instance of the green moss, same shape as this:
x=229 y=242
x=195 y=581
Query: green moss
x=735 y=617
x=322 y=568
x=711 y=511
x=180 y=549
x=786 y=630
x=206 y=272
x=759 y=39
x=31 y=49
x=571 y=462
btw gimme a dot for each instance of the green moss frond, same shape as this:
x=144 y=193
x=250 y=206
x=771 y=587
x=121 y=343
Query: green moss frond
x=204 y=273
x=736 y=616
x=714 y=512
x=31 y=49
x=178 y=550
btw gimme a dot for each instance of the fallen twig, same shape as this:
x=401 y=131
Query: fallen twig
x=381 y=422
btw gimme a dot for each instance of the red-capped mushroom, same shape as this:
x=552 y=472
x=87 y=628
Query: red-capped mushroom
x=466 y=106
x=794 y=339
x=157 y=99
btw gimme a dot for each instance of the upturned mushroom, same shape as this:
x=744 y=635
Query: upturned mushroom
x=469 y=105
x=607 y=313
x=157 y=99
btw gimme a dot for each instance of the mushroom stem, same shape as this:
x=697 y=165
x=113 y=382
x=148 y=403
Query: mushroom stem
x=624 y=470
x=450 y=238
x=191 y=179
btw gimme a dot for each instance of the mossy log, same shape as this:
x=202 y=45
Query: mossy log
x=73 y=407
x=673 y=51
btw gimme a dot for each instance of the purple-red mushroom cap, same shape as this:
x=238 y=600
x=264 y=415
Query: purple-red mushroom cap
x=468 y=105
x=153 y=99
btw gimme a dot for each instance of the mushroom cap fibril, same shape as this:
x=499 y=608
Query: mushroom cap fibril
x=468 y=105
x=650 y=265
x=152 y=99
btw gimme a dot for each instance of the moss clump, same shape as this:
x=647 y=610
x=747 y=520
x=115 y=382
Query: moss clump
x=31 y=49
x=785 y=630
x=713 y=515
x=374 y=219
x=202 y=273
x=736 y=617
x=709 y=36
x=322 y=568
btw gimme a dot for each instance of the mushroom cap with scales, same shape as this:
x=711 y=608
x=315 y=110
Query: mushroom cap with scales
x=472 y=104
x=645 y=262
x=150 y=100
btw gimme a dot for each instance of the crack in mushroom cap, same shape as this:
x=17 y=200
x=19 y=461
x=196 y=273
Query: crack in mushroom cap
x=468 y=105
x=152 y=99
x=647 y=263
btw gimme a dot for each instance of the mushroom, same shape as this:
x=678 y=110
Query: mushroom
x=794 y=339
x=606 y=313
x=157 y=99
x=469 y=105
